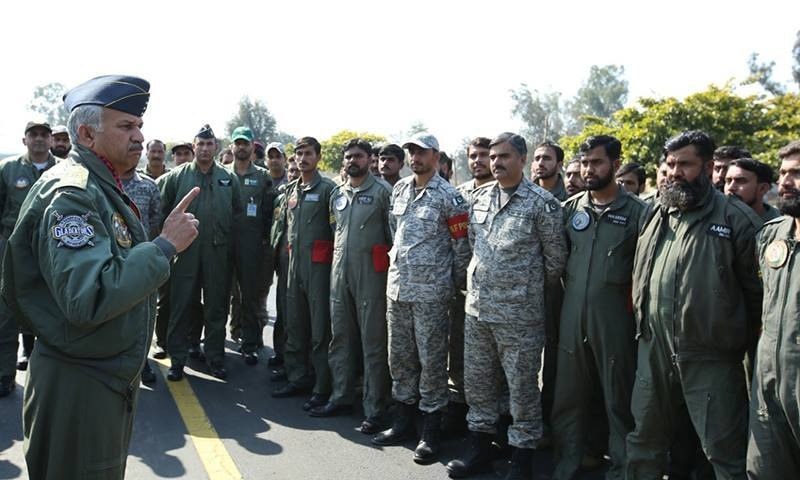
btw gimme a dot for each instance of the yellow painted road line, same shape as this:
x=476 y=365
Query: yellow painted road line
x=216 y=459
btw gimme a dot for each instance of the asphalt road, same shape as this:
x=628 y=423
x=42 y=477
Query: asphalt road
x=265 y=438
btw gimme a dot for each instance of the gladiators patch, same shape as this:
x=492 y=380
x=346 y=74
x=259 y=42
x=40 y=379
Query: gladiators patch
x=73 y=231
x=22 y=182
x=580 y=221
x=121 y=232
x=777 y=253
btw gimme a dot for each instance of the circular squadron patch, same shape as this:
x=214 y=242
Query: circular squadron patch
x=340 y=203
x=22 y=182
x=292 y=202
x=73 y=231
x=121 y=232
x=777 y=253
x=580 y=221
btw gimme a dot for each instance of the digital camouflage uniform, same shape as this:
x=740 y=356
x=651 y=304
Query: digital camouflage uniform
x=697 y=304
x=774 y=447
x=252 y=234
x=145 y=194
x=207 y=264
x=308 y=321
x=358 y=293
x=81 y=274
x=428 y=262
x=518 y=255
x=597 y=329
x=17 y=176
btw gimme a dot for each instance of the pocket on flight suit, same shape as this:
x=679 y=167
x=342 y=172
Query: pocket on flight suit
x=380 y=258
x=322 y=252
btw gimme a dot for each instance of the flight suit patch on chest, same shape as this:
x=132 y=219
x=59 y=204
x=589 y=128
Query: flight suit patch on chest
x=312 y=197
x=250 y=182
x=121 y=232
x=22 y=182
x=365 y=199
x=580 y=221
x=340 y=203
x=616 y=219
x=224 y=182
x=776 y=254
x=721 y=231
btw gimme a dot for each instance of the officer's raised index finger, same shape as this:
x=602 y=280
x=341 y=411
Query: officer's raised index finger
x=184 y=203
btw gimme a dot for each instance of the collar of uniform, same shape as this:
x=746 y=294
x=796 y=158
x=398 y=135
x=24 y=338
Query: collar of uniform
x=785 y=229
x=251 y=169
x=51 y=159
x=585 y=200
x=314 y=182
x=193 y=165
x=523 y=189
x=368 y=182
x=94 y=163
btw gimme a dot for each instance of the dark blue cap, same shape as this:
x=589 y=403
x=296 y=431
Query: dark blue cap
x=119 y=92
x=205 y=132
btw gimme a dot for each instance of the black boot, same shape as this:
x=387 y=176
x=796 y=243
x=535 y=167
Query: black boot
x=428 y=446
x=402 y=427
x=521 y=464
x=454 y=422
x=477 y=460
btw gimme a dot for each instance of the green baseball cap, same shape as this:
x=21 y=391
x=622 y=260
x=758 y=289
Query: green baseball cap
x=243 y=133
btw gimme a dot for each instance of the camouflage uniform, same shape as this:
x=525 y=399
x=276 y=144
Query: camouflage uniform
x=430 y=252
x=145 y=194
x=518 y=254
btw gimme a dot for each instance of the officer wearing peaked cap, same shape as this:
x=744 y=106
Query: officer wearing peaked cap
x=79 y=271
x=206 y=266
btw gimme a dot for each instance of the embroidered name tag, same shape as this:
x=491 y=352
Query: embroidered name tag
x=615 y=219
x=364 y=199
x=250 y=182
x=721 y=231
x=312 y=197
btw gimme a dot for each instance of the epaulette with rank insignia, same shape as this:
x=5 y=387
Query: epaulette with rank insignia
x=73 y=176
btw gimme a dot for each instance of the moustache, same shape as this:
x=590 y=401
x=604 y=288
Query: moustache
x=135 y=147
x=789 y=191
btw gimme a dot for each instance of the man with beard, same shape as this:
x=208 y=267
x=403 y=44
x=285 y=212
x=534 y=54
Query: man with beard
x=574 y=182
x=17 y=175
x=519 y=252
x=391 y=158
x=204 y=269
x=749 y=180
x=445 y=166
x=774 y=447
x=251 y=235
x=276 y=164
x=374 y=162
x=697 y=301
x=455 y=421
x=429 y=260
x=360 y=216
x=722 y=158
x=61 y=144
x=596 y=332
x=548 y=158
x=156 y=150
x=631 y=177
x=310 y=241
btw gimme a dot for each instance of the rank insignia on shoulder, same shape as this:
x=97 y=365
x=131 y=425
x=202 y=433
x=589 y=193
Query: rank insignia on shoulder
x=73 y=231
x=22 y=182
x=776 y=254
x=580 y=221
x=225 y=182
x=551 y=206
x=121 y=231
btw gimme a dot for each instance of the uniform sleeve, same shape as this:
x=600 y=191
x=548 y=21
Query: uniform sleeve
x=267 y=206
x=388 y=232
x=458 y=225
x=746 y=269
x=166 y=185
x=90 y=284
x=392 y=218
x=550 y=227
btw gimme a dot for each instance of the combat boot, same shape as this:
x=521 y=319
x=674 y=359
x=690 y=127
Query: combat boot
x=477 y=460
x=429 y=444
x=454 y=422
x=402 y=427
x=521 y=464
x=7 y=385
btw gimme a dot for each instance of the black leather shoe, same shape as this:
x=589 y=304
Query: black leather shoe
x=275 y=360
x=148 y=376
x=218 y=371
x=278 y=375
x=7 y=385
x=316 y=400
x=159 y=353
x=175 y=373
x=288 y=390
x=251 y=358
x=330 y=409
x=371 y=426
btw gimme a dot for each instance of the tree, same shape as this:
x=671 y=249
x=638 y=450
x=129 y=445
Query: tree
x=760 y=125
x=256 y=115
x=47 y=102
x=761 y=73
x=332 y=148
x=796 y=57
x=602 y=94
x=540 y=113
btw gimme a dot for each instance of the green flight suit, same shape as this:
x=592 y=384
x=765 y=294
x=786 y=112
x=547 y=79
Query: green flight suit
x=774 y=447
x=252 y=236
x=358 y=293
x=697 y=301
x=597 y=331
x=17 y=175
x=79 y=272
x=280 y=251
x=770 y=213
x=207 y=264
x=308 y=321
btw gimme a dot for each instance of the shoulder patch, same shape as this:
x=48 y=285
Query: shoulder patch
x=551 y=206
x=74 y=176
x=458 y=200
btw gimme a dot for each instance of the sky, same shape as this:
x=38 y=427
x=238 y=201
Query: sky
x=376 y=66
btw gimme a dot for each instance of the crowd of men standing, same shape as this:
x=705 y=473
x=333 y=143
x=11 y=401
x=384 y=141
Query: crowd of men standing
x=652 y=315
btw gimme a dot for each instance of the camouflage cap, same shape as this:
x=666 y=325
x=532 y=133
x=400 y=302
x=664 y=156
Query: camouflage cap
x=423 y=140
x=34 y=124
x=58 y=129
x=277 y=146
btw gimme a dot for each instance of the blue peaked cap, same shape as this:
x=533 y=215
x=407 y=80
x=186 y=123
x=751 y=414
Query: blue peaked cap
x=119 y=92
